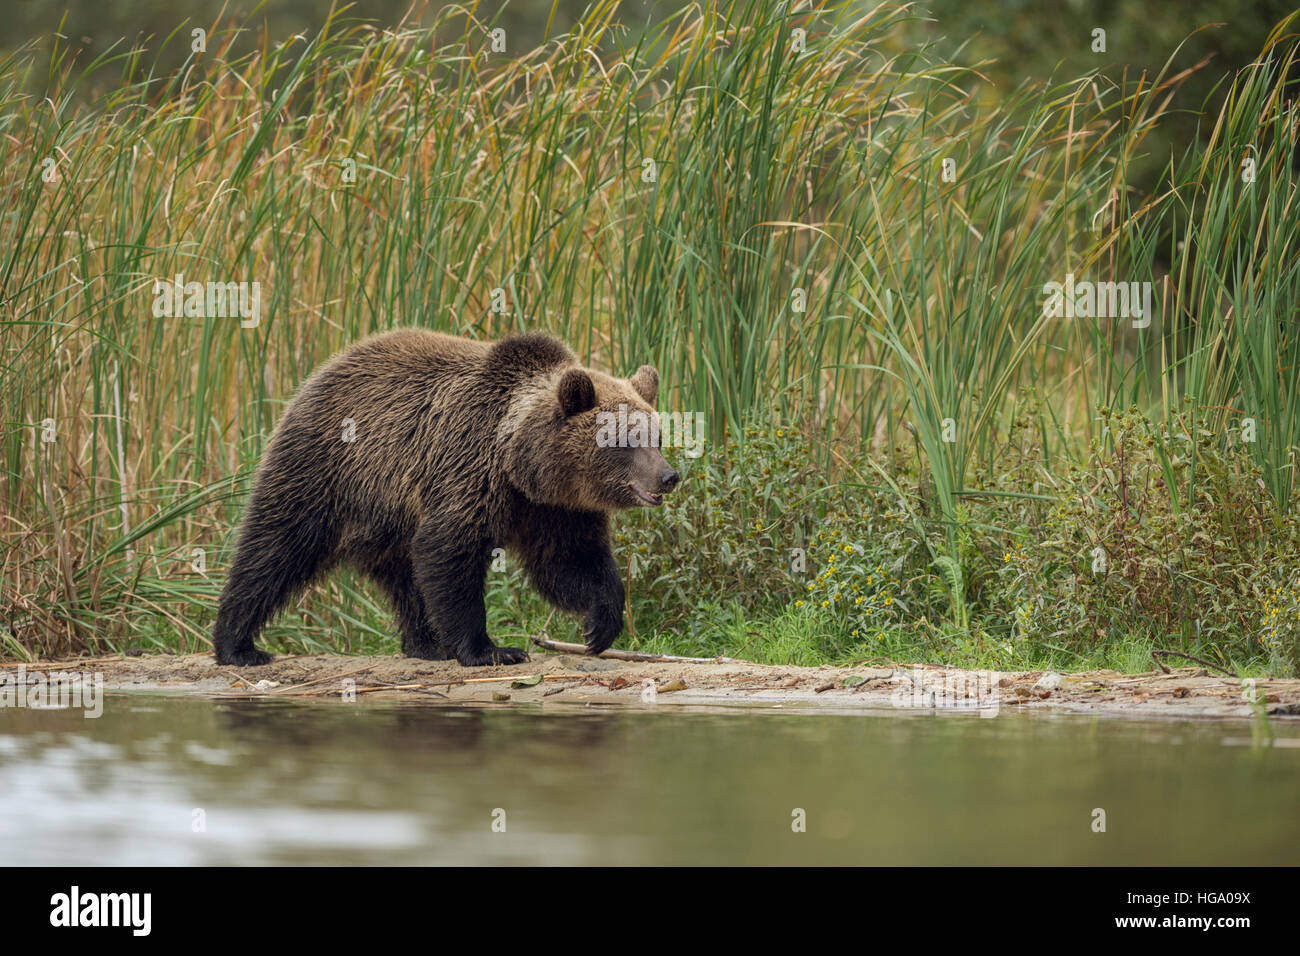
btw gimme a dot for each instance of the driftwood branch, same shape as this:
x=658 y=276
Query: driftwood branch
x=614 y=654
x=1156 y=655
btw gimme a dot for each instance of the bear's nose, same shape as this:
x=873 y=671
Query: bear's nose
x=668 y=480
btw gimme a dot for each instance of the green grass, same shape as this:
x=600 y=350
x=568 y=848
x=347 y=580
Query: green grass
x=797 y=258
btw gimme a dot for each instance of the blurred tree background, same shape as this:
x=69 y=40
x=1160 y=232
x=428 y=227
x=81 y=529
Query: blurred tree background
x=1017 y=40
x=1027 y=38
x=1045 y=39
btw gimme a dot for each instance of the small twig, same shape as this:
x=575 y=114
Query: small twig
x=868 y=680
x=614 y=654
x=419 y=686
x=75 y=661
x=1156 y=655
x=513 y=677
x=319 y=680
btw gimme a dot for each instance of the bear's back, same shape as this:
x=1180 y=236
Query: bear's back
x=423 y=351
x=413 y=349
x=409 y=400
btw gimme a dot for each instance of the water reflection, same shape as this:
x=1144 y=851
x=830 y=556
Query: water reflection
x=294 y=782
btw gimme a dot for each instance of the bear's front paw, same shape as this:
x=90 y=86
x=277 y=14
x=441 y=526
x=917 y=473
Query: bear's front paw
x=601 y=628
x=481 y=657
x=509 y=655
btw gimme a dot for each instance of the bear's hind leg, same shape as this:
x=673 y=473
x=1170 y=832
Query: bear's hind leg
x=419 y=639
x=272 y=563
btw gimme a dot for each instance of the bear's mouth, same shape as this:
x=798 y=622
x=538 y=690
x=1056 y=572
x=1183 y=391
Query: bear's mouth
x=654 y=501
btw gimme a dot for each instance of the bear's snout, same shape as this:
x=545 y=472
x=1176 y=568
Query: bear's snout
x=651 y=477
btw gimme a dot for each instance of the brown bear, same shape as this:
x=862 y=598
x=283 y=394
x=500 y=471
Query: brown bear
x=411 y=456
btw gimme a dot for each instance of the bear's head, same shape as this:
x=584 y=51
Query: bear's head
x=578 y=438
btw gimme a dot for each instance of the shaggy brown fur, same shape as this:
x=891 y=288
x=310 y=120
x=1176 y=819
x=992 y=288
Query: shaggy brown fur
x=460 y=447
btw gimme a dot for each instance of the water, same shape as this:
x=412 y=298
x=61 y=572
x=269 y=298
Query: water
x=327 y=782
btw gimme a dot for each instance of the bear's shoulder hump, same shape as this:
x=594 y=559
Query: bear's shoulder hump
x=528 y=353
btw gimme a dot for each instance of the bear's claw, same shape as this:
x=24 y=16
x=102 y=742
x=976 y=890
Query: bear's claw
x=596 y=649
x=510 y=655
x=495 y=655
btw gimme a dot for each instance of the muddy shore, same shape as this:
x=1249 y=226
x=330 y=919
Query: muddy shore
x=566 y=680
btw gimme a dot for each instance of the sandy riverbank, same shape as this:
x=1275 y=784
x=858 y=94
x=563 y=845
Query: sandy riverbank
x=569 y=679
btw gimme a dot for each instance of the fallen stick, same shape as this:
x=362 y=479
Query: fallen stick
x=616 y=655
x=284 y=691
x=1156 y=655
x=366 y=689
x=514 y=677
x=39 y=665
x=424 y=685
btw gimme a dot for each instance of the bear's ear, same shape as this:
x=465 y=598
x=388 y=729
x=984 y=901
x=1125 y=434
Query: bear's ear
x=576 y=393
x=646 y=383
